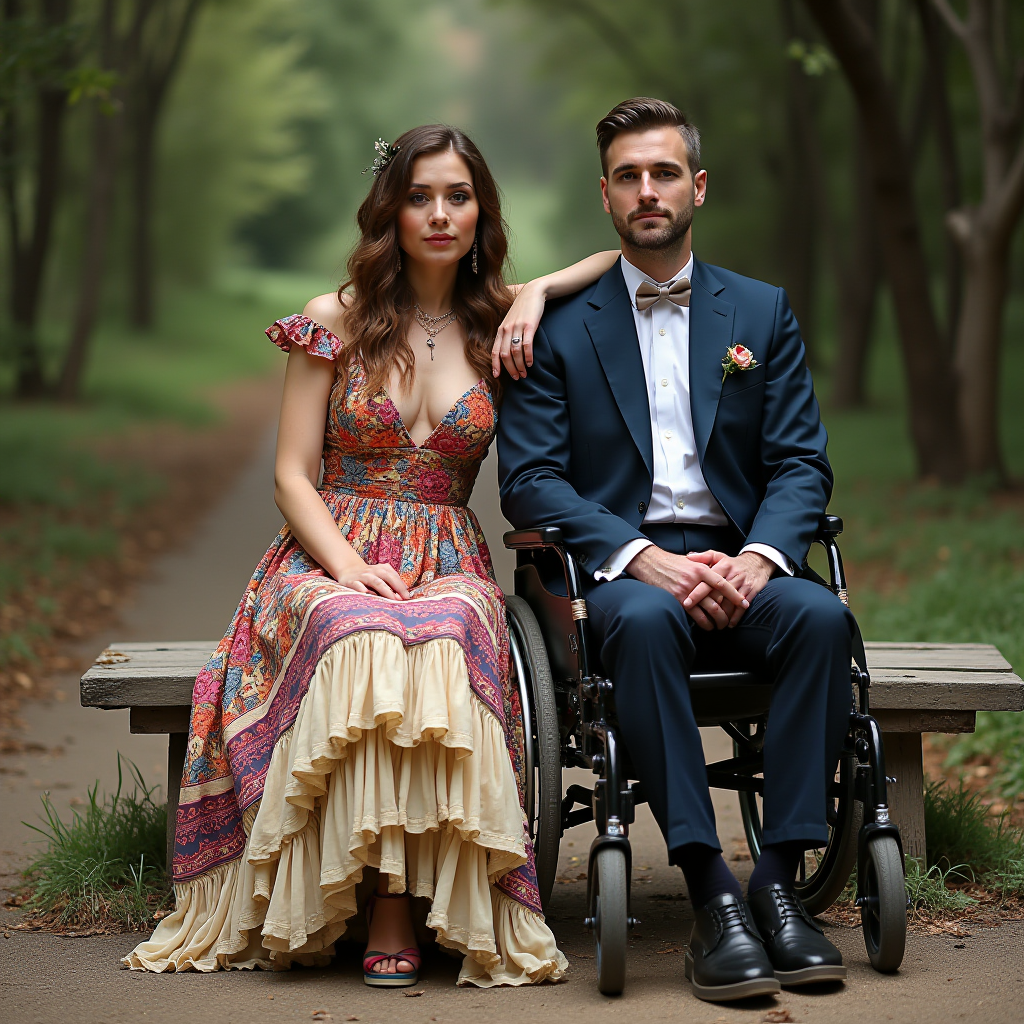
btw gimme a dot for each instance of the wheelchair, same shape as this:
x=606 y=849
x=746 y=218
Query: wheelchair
x=569 y=721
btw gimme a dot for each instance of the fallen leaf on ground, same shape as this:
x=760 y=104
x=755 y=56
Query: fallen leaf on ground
x=780 y=1016
x=672 y=949
x=351 y=1016
x=418 y=992
x=321 y=1015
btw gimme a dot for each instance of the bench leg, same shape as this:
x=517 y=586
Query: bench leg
x=906 y=794
x=176 y=744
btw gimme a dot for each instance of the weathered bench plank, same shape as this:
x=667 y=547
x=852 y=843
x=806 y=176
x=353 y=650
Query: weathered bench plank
x=915 y=688
x=939 y=677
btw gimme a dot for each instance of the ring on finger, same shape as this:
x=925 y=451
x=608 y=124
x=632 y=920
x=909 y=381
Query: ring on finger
x=517 y=341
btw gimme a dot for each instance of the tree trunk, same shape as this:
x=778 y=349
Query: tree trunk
x=978 y=352
x=121 y=54
x=158 y=65
x=930 y=382
x=142 y=310
x=107 y=132
x=799 y=228
x=984 y=233
x=29 y=255
x=106 y=144
x=949 y=159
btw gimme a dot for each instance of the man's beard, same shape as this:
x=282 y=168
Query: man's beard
x=671 y=229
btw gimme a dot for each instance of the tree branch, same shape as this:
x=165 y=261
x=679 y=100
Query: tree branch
x=619 y=42
x=1016 y=102
x=951 y=18
x=1011 y=201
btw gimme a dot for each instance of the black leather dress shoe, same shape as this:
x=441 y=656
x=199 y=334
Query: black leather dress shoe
x=796 y=946
x=726 y=959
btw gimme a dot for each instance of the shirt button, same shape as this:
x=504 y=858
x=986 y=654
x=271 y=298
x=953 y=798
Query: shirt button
x=662 y=332
x=680 y=503
x=642 y=507
x=664 y=382
x=668 y=435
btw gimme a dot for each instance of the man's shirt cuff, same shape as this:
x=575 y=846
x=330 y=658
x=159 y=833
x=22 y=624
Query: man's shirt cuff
x=773 y=555
x=615 y=566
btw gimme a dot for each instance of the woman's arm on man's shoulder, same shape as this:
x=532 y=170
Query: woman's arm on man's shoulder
x=522 y=319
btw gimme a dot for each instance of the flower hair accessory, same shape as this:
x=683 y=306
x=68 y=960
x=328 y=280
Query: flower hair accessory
x=737 y=357
x=385 y=154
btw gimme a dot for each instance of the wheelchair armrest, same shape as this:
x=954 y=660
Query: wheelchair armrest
x=541 y=537
x=829 y=528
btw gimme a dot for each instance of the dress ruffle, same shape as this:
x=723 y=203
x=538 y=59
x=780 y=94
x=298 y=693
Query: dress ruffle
x=298 y=329
x=392 y=763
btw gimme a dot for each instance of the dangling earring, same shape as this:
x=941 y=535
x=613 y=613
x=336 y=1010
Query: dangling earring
x=474 y=264
x=399 y=260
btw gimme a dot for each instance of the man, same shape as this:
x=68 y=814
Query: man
x=668 y=426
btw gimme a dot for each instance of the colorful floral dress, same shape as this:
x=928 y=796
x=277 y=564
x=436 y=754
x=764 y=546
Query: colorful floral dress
x=334 y=730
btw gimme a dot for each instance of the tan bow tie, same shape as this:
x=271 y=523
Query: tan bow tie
x=648 y=294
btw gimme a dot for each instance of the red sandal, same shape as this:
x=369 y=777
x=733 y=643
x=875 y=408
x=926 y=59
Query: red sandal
x=372 y=957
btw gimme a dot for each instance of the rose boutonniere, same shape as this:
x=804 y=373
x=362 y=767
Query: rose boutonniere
x=738 y=357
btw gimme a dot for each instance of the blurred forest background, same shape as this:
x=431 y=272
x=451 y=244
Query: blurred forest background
x=175 y=174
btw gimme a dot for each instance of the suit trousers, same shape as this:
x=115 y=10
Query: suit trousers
x=796 y=634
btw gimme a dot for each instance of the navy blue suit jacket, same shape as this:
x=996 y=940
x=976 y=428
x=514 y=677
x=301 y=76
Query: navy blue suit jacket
x=574 y=438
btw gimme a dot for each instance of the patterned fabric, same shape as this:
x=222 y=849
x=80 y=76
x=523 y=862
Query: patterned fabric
x=395 y=502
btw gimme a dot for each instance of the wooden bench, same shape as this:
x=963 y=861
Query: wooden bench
x=915 y=688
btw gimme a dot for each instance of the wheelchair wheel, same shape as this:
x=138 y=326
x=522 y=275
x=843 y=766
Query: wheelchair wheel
x=543 y=756
x=883 y=904
x=821 y=882
x=609 y=912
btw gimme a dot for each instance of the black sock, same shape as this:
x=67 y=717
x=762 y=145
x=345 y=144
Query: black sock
x=707 y=875
x=776 y=865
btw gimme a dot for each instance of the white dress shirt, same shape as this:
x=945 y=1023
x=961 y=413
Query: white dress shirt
x=679 y=493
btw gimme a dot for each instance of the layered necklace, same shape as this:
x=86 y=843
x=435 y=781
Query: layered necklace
x=433 y=325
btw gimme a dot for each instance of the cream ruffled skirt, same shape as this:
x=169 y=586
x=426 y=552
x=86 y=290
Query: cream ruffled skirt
x=392 y=763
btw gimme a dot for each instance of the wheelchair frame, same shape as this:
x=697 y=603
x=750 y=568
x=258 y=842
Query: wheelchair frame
x=582 y=702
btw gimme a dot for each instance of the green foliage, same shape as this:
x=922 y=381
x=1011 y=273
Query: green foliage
x=60 y=501
x=929 y=889
x=107 y=865
x=963 y=836
x=231 y=141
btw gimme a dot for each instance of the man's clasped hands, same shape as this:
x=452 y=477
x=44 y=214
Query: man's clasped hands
x=714 y=588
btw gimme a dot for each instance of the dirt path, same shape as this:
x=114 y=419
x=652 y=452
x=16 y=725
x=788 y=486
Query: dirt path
x=192 y=594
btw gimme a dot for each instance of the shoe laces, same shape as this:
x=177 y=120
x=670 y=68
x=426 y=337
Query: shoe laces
x=731 y=916
x=788 y=903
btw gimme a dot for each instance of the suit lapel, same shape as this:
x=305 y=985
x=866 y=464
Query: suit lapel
x=711 y=327
x=613 y=333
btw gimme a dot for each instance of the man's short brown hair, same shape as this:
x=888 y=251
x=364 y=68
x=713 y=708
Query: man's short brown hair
x=640 y=114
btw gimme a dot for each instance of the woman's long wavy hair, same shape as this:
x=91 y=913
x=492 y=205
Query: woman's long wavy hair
x=380 y=304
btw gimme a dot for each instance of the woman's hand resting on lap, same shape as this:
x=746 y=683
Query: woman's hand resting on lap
x=381 y=579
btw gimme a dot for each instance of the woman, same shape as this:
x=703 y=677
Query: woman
x=359 y=712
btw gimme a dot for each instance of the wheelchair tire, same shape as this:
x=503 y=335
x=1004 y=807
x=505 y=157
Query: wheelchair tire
x=610 y=913
x=544 y=790
x=883 y=912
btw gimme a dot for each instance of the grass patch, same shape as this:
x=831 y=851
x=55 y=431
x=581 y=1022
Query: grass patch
x=930 y=890
x=963 y=838
x=106 y=867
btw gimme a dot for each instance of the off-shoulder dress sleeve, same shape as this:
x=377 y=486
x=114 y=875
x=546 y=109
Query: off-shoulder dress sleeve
x=298 y=329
